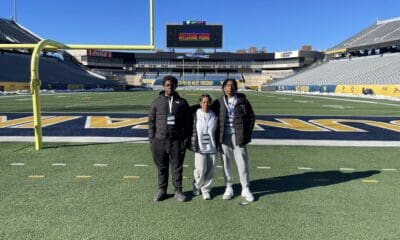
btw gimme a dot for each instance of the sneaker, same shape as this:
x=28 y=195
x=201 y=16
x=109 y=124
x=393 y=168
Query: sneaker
x=180 y=196
x=160 y=195
x=206 y=196
x=247 y=195
x=228 y=194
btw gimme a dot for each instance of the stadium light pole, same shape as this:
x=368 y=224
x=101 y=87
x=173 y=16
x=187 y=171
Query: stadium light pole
x=15 y=10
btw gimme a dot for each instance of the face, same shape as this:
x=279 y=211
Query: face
x=229 y=89
x=205 y=104
x=169 y=88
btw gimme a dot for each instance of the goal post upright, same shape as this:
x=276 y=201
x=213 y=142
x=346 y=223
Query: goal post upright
x=47 y=44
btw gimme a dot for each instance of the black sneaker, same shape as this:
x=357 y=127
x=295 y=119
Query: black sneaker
x=160 y=195
x=180 y=196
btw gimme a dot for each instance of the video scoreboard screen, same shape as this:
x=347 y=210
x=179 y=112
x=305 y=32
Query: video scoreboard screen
x=194 y=34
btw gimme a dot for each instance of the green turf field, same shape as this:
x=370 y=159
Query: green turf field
x=302 y=192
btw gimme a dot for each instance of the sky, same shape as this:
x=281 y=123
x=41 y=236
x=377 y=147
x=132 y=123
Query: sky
x=277 y=25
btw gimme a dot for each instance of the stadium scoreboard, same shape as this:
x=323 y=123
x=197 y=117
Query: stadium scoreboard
x=194 y=34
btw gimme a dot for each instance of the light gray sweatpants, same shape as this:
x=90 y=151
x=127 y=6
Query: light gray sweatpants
x=230 y=153
x=204 y=170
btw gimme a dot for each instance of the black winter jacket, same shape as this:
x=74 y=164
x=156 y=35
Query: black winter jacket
x=243 y=122
x=158 y=113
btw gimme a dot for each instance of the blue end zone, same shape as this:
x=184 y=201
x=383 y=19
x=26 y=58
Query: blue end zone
x=267 y=127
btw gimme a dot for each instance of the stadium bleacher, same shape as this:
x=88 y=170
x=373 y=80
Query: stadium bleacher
x=54 y=74
x=381 y=31
x=378 y=69
x=11 y=32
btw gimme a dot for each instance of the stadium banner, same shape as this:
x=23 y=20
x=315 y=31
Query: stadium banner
x=70 y=126
x=287 y=54
x=384 y=90
x=99 y=53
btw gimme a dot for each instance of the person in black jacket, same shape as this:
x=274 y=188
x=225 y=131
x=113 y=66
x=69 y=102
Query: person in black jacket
x=203 y=144
x=169 y=134
x=235 y=125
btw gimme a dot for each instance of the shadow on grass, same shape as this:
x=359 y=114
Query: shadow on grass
x=297 y=182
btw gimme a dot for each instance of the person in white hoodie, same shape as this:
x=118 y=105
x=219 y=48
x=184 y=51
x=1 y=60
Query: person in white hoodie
x=204 y=146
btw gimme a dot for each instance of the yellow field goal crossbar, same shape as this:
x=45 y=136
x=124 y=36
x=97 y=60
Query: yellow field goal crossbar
x=52 y=45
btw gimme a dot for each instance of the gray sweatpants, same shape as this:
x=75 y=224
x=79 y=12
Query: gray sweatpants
x=204 y=169
x=230 y=153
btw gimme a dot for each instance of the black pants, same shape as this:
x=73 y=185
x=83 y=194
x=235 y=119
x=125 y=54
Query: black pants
x=166 y=152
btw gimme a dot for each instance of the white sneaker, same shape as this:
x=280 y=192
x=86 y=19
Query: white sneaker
x=247 y=194
x=228 y=194
x=206 y=196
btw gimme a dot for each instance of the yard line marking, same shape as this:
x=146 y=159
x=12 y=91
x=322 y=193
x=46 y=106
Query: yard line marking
x=131 y=177
x=321 y=180
x=304 y=168
x=184 y=177
x=100 y=165
x=264 y=167
x=141 y=165
x=36 y=176
x=346 y=169
x=17 y=164
x=219 y=166
x=59 y=164
x=369 y=181
x=83 y=177
x=389 y=169
x=185 y=165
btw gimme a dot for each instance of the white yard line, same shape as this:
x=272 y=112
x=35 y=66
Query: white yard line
x=141 y=165
x=100 y=165
x=17 y=164
x=59 y=164
x=304 y=168
x=262 y=167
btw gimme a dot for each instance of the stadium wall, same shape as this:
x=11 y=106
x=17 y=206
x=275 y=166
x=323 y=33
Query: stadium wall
x=382 y=90
x=13 y=86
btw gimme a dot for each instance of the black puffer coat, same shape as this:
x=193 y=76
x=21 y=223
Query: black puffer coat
x=158 y=113
x=243 y=122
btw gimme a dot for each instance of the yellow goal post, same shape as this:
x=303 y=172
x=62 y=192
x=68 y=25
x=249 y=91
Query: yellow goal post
x=53 y=45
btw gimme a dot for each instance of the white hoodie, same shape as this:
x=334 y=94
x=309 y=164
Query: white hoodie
x=206 y=124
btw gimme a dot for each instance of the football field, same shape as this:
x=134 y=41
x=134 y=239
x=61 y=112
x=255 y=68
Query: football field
x=104 y=190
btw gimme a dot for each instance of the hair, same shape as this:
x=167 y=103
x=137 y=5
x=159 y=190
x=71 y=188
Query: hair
x=205 y=95
x=170 y=78
x=230 y=80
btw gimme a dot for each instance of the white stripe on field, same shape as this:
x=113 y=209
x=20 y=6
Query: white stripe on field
x=389 y=169
x=219 y=166
x=58 y=164
x=17 y=164
x=304 y=168
x=264 y=167
x=185 y=165
x=346 y=169
x=100 y=165
x=141 y=165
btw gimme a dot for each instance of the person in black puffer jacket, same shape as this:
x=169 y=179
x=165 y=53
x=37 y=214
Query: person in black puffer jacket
x=236 y=121
x=169 y=134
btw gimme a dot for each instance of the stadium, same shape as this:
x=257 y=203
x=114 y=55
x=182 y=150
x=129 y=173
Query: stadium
x=323 y=155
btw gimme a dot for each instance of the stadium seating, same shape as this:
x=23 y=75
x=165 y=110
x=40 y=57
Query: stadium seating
x=382 y=31
x=54 y=74
x=378 y=69
x=14 y=33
